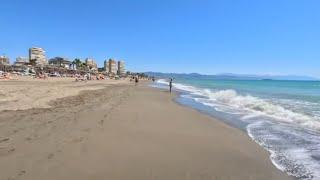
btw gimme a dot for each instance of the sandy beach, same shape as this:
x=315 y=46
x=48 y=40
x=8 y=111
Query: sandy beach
x=26 y=92
x=60 y=129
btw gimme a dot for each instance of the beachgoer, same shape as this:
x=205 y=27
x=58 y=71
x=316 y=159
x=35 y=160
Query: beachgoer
x=136 y=80
x=170 y=84
x=153 y=79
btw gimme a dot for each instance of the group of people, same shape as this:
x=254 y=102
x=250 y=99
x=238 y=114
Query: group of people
x=5 y=76
x=170 y=83
x=135 y=79
x=41 y=75
x=88 y=76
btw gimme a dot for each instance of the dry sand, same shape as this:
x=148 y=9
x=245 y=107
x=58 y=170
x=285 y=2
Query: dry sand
x=123 y=132
x=26 y=92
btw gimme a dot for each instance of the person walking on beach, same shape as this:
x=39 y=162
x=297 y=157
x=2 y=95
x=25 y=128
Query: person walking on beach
x=136 y=80
x=170 y=84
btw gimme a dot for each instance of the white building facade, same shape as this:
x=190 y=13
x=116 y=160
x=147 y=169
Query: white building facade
x=38 y=55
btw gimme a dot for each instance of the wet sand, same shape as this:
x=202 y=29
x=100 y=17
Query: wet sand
x=125 y=132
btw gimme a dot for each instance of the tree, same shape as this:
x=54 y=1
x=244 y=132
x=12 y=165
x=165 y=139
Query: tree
x=77 y=62
x=84 y=66
x=33 y=62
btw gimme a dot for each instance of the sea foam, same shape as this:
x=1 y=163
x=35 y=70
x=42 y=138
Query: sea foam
x=279 y=125
x=250 y=104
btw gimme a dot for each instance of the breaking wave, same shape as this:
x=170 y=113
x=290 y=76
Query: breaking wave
x=249 y=104
x=281 y=126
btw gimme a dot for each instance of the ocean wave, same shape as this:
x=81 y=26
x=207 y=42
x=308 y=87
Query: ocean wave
x=287 y=128
x=254 y=105
x=292 y=150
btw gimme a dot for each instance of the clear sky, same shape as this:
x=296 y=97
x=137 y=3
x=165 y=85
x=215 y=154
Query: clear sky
x=209 y=37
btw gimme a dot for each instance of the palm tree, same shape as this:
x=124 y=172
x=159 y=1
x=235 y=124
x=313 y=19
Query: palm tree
x=77 y=62
x=82 y=66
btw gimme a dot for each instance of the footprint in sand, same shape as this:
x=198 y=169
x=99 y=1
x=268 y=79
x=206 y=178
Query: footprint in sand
x=78 y=140
x=6 y=150
x=28 y=138
x=101 y=122
x=4 y=140
x=21 y=173
x=86 y=130
x=50 y=156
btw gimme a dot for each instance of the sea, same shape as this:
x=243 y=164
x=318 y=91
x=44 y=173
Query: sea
x=281 y=116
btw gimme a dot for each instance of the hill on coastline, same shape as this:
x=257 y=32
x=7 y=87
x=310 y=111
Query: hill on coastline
x=231 y=76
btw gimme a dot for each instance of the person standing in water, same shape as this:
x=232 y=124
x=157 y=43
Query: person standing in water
x=170 y=84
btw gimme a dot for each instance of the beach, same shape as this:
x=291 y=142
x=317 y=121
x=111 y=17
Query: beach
x=115 y=130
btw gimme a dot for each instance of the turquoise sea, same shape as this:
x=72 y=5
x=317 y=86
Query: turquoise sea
x=281 y=116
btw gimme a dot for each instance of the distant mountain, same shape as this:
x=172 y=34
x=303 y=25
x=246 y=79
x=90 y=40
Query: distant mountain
x=231 y=76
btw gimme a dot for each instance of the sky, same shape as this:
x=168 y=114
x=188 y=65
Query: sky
x=204 y=36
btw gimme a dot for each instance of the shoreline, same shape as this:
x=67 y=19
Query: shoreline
x=175 y=97
x=228 y=123
x=126 y=132
x=284 y=127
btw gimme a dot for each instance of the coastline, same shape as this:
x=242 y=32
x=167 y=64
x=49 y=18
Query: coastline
x=235 y=125
x=126 y=132
x=229 y=124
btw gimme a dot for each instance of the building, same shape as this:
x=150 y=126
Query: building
x=38 y=55
x=121 y=68
x=4 y=60
x=60 y=62
x=101 y=69
x=91 y=64
x=111 y=66
x=21 y=61
x=73 y=66
x=106 y=65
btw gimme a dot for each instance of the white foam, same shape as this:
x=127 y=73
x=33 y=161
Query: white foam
x=162 y=81
x=290 y=149
x=279 y=125
x=254 y=105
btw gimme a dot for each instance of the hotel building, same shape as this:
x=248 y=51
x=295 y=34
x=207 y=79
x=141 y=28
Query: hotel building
x=110 y=66
x=91 y=64
x=121 y=69
x=106 y=65
x=38 y=55
x=4 y=60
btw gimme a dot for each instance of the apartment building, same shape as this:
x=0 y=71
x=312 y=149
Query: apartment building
x=91 y=64
x=121 y=68
x=38 y=55
x=110 y=66
x=4 y=60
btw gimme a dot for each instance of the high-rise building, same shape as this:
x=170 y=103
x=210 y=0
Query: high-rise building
x=21 y=61
x=38 y=55
x=110 y=66
x=106 y=65
x=91 y=64
x=4 y=60
x=121 y=68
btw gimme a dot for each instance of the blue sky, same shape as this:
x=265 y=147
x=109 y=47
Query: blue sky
x=210 y=37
